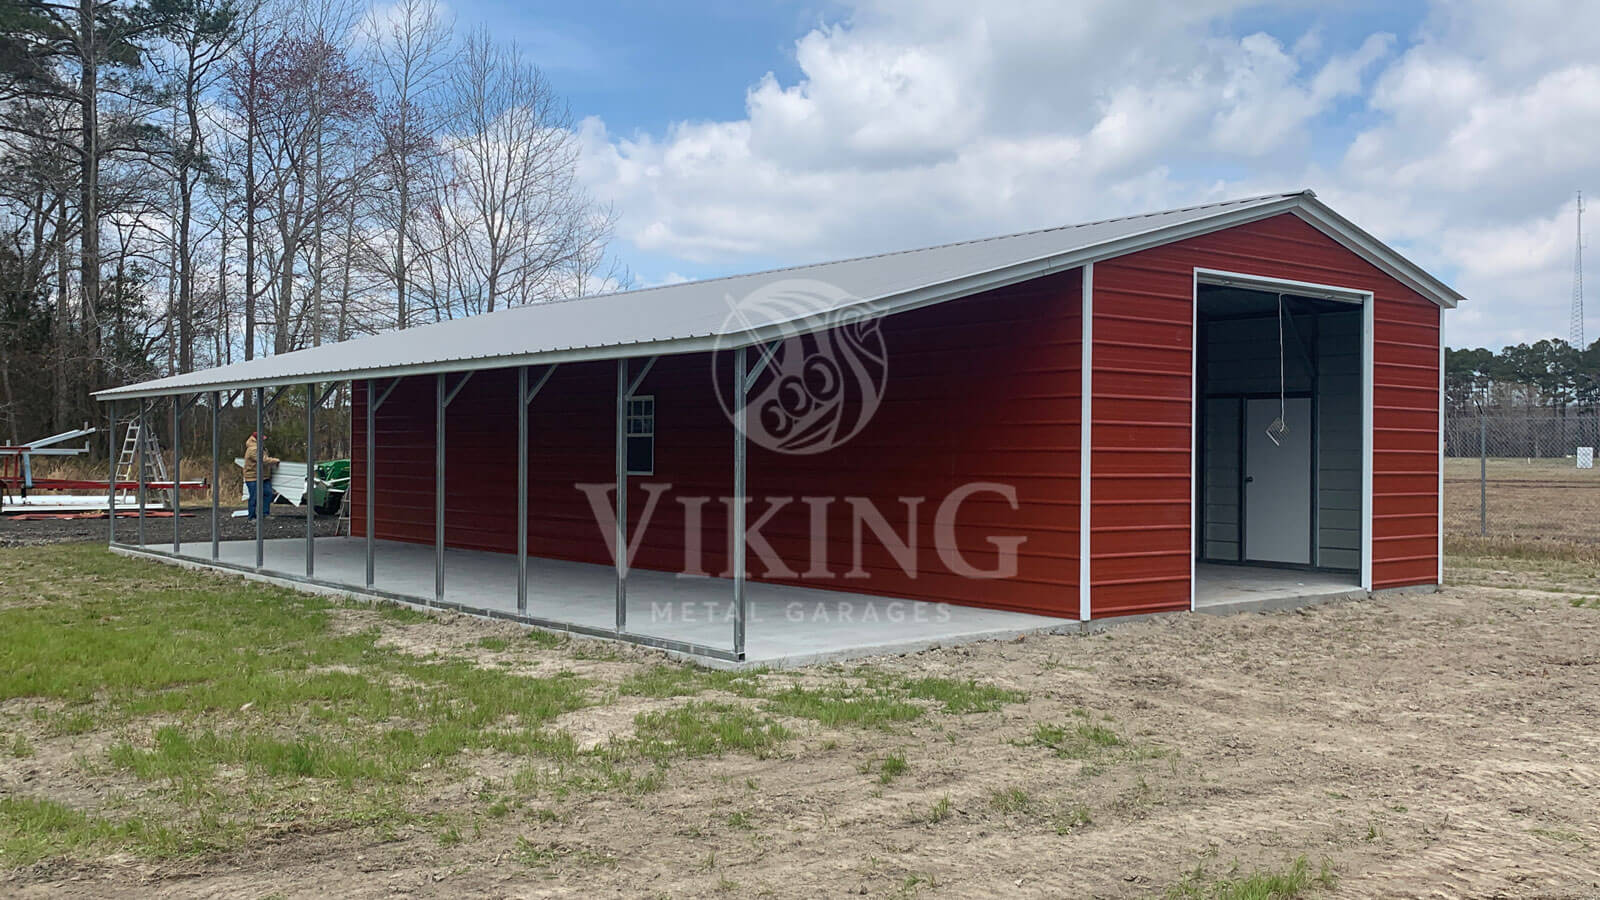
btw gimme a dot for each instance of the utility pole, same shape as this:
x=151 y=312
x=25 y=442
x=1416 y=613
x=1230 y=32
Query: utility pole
x=1575 y=333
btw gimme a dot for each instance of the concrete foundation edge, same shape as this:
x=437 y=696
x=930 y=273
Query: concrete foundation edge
x=1094 y=626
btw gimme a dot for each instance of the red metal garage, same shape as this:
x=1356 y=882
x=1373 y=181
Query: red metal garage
x=971 y=392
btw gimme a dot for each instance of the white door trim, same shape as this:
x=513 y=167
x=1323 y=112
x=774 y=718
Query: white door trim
x=1196 y=537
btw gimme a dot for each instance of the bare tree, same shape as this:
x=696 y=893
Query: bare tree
x=195 y=180
x=202 y=33
x=524 y=219
x=410 y=55
x=308 y=86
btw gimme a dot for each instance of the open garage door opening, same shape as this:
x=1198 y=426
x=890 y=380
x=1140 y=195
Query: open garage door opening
x=1279 y=425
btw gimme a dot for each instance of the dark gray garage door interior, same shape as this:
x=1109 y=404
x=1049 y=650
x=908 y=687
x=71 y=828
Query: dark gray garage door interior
x=1298 y=501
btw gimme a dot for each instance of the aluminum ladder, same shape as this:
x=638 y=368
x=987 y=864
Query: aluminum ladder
x=155 y=465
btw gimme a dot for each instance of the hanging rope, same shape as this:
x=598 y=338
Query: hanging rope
x=1280 y=425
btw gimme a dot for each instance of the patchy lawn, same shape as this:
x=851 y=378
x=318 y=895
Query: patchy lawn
x=169 y=732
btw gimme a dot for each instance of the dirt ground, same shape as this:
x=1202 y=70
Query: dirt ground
x=285 y=521
x=1538 y=501
x=1418 y=745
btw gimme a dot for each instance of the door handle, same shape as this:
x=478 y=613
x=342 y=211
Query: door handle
x=1249 y=478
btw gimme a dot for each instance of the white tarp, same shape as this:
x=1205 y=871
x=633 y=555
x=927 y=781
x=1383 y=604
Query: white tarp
x=1585 y=457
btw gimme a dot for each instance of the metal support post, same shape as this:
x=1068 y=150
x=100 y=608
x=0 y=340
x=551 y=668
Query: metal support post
x=522 y=489
x=216 y=471
x=620 y=548
x=372 y=465
x=261 y=456
x=736 y=530
x=143 y=441
x=1483 y=475
x=438 y=489
x=111 y=495
x=177 y=475
x=311 y=478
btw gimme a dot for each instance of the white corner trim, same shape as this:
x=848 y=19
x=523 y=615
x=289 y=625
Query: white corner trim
x=1086 y=446
x=1438 y=524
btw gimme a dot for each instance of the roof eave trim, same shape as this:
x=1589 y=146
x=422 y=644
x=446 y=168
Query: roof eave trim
x=1320 y=216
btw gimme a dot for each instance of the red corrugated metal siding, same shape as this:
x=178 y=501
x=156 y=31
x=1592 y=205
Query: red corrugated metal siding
x=1141 y=540
x=1139 y=473
x=984 y=389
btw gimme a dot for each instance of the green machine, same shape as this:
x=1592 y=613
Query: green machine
x=333 y=480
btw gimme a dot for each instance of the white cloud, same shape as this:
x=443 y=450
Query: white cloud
x=916 y=122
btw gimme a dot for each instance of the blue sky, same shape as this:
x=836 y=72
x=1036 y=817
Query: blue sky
x=733 y=136
x=641 y=66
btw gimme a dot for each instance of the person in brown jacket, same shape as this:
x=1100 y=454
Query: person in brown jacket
x=250 y=476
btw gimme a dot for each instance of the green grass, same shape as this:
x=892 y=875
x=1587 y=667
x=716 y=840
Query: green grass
x=878 y=701
x=1017 y=802
x=32 y=829
x=638 y=764
x=1010 y=800
x=1081 y=740
x=548 y=855
x=1294 y=880
x=892 y=766
x=240 y=707
x=259 y=700
x=545 y=640
x=661 y=681
x=959 y=697
x=1559 y=834
x=700 y=728
x=842 y=706
x=399 y=614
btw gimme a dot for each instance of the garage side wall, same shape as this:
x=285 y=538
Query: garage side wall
x=983 y=390
x=1141 y=532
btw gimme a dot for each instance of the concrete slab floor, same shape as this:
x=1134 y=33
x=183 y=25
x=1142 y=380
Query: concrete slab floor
x=786 y=626
x=1228 y=589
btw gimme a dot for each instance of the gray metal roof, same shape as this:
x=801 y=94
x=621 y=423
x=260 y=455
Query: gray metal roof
x=748 y=309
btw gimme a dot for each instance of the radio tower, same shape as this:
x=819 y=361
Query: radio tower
x=1576 y=329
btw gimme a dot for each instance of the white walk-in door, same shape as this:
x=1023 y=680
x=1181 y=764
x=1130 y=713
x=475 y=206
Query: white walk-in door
x=1277 y=491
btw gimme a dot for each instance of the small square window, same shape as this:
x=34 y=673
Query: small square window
x=641 y=435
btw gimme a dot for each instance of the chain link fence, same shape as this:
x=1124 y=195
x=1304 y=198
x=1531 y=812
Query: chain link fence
x=1517 y=475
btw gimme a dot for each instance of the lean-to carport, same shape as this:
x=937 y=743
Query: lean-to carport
x=531 y=380
x=707 y=617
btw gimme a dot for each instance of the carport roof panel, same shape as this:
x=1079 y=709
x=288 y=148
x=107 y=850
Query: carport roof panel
x=700 y=314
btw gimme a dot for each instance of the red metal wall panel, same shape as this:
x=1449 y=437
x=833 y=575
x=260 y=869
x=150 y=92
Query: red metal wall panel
x=984 y=389
x=1141 y=518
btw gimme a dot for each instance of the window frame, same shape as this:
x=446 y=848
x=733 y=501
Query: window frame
x=646 y=417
